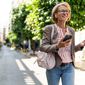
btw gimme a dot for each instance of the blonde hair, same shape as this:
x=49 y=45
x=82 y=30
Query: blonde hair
x=55 y=9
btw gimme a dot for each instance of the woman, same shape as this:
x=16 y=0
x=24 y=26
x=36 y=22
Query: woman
x=63 y=50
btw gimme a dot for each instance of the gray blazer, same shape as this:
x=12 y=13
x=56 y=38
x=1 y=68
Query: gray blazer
x=50 y=45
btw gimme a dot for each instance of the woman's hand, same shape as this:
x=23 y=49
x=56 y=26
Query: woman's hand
x=83 y=43
x=64 y=43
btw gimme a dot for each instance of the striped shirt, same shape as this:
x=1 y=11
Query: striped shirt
x=64 y=52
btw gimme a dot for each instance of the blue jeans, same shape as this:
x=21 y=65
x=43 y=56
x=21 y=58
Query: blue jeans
x=66 y=73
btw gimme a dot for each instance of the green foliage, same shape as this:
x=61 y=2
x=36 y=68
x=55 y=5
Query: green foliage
x=18 y=22
x=28 y=20
x=12 y=37
x=32 y=20
x=39 y=16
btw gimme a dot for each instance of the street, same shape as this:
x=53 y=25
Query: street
x=18 y=69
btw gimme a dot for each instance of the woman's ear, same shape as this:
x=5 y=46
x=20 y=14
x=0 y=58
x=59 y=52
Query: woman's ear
x=55 y=15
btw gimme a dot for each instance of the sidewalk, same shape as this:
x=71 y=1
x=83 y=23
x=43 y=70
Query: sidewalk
x=39 y=73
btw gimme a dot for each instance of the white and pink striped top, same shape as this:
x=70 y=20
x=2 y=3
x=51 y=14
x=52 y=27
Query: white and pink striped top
x=64 y=52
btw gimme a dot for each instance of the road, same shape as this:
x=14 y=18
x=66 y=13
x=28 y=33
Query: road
x=18 y=69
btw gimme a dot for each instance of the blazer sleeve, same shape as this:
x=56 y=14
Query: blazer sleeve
x=78 y=47
x=46 y=45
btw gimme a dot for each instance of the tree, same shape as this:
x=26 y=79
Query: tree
x=18 y=23
x=32 y=20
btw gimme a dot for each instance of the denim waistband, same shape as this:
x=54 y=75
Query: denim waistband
x=64 y=64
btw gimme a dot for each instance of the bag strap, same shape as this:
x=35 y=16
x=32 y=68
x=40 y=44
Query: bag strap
x=52 y=31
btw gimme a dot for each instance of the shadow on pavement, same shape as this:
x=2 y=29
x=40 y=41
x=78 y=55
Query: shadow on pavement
x=30 y=74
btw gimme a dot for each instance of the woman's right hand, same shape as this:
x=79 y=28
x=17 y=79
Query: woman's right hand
x=64 y=43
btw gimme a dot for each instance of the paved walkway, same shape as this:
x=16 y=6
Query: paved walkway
x=18 y=69
x=14 y=69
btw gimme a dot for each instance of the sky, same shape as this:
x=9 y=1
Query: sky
x=5 y=8
x=5 y=13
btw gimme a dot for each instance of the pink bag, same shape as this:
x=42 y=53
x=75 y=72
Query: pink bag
x=46 y=60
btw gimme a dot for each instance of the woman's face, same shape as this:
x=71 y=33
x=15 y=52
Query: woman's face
x=63 y=13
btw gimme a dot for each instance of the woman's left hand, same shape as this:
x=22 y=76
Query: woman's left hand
x=83 y=43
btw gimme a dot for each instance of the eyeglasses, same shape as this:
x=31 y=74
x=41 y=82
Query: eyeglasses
x=64 y=11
